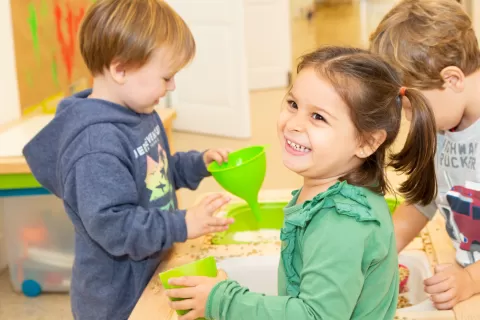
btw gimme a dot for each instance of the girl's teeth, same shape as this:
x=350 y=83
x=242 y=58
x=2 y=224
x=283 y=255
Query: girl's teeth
x=298 y=147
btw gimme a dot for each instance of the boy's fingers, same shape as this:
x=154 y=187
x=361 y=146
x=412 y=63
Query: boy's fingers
x=219 y=221
x=217 y=204
x=224 y=153
x=217 y=156
x=439 y=287
x=447 y=305
x=213 y=197
x=210 y=198
x=436 y=279
x=217 y=229
x=444 y=296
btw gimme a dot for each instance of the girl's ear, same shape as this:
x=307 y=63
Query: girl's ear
x=370 y=144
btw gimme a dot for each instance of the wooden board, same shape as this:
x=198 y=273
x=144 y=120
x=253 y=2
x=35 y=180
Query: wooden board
x=48 y=60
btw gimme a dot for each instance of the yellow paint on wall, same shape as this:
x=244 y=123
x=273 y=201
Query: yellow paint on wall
x=33 y=110
x=50 y=104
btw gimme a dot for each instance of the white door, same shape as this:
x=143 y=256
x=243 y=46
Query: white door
x=212 y=93
x=268 y=37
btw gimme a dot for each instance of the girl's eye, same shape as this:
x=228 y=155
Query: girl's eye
x=167 y=79
x=292 y=104
x=316 y=116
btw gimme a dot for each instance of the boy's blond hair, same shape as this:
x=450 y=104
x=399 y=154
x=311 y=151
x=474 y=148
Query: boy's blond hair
x=422 y=37
x=128 y=31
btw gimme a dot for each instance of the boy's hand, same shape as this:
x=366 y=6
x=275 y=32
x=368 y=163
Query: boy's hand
x=195 y=293
x=449 y=286
x=200 y=220
x=218 y=155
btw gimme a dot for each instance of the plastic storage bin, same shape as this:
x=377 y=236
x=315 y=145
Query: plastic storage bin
x=39 y=239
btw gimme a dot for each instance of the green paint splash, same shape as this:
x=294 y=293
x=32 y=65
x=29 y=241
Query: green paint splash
x=33 y=22
x=55 y=72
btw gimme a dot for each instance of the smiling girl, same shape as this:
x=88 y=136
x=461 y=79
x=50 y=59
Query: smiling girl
x=338 y=258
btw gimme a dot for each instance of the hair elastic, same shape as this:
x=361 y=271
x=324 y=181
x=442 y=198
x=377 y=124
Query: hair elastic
x=402 y=91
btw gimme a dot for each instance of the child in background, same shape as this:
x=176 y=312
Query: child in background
x=434 y=47
x=107 y=156
x=338 y=257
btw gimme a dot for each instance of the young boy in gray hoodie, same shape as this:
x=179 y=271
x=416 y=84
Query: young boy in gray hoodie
x=107 y=156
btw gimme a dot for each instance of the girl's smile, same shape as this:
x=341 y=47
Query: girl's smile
x=295 y=148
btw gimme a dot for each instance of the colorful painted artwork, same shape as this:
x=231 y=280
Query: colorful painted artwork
x=49 y=63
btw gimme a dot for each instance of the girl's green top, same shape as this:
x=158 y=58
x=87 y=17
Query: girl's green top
x=338 y=261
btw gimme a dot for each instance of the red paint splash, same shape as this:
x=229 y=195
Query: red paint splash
x=67 y=46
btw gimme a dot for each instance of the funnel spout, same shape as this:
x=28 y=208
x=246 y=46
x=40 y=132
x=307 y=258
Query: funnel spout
x=254 y=205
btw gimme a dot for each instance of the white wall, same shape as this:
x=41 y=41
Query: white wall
x=10 y=104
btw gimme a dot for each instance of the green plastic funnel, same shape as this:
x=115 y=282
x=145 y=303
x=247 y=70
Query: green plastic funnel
x=204 y=267
x=243 y=174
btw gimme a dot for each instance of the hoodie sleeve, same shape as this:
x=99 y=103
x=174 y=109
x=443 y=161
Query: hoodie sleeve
x=101 y=189
x=188 y=169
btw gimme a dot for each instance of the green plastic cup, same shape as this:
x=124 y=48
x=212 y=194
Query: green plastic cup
x=206 y=267
x=243 y=174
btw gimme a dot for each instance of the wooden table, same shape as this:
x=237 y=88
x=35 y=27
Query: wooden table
x=153 y=304
x=16 y=134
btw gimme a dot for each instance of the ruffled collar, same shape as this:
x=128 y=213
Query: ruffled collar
x=343 y=197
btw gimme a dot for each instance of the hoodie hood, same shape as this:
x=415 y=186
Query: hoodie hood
x=74 y=114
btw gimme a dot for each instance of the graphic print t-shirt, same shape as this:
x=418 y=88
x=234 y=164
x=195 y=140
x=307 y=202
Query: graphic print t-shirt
x=151 y=153
x=458 y=200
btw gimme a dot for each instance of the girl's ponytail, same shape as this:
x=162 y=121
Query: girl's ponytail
x=417 y=158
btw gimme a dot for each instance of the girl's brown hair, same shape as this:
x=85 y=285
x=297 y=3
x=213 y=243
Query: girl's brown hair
x=371 y=88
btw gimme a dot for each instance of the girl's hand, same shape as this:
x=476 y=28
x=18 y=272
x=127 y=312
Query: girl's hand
x=218 y=155
x=195 y=293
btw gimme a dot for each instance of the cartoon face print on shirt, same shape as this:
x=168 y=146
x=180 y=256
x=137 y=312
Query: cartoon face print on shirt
x=157 y=180
x=458 y=200
x=464 y=218
x=465 y=205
